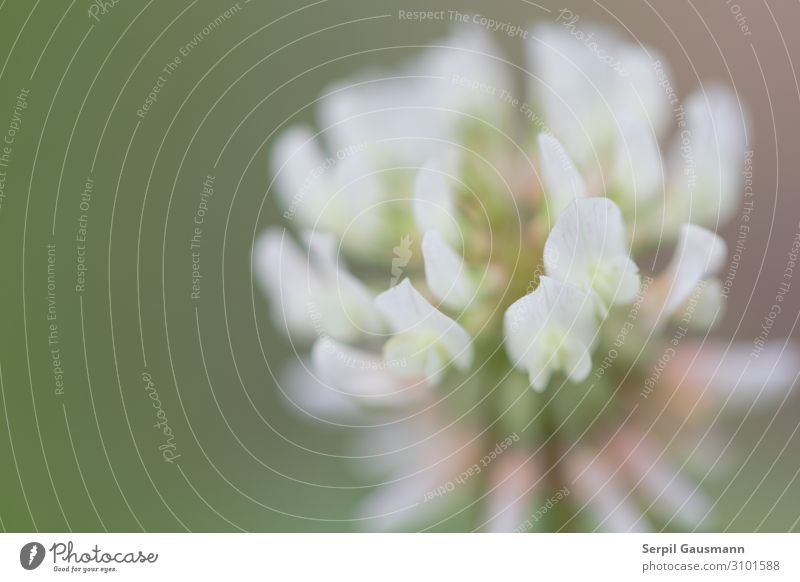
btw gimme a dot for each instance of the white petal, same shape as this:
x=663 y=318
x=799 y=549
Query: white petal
x=455 y=340
x=433 y=204
x=309 y=396
x=407 y=311
x=706 y=164
x=607 y=498
x=644 y=91
x=299 y=169
x=561 y=180
x=541 y=365
x=345 y=304
x=705 y=305
x=581 y=88
x=408 y=113
x=433 y=367
x=700 y=254
x=410 y=352
x=675 y=494
x=574 y=90
x=356 y=211
x=404 y=308
x=739 y=371
x=551 y=328
x=283 y=271
x=638 y=172
x=508 y=502
x=397 y=504
x=424 y=461
x=587 y=248
x=363 y=376
x=445 y=272
x=578 y=354
x=403 y=114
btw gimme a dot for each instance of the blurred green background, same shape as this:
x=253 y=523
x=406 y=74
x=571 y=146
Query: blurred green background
x=88 y=458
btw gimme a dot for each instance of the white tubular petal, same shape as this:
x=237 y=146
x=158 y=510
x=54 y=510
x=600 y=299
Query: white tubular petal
x=644 y=90
x=433 y=368
x=574 y=89
x=551 y=329
x=356 y=209
x=740 y=373
x=466 y=54
x=561 y=180
x=717 y=119
x=673 y=493
x=417 y=460
x=409 y=313
x=417 y=105
x=706 y=171
x=581 y=361
x=345 y=304
x=404 y=308
x=508 y=502
x=309 y=396
x=397 y=504
x=638 y=173
x=446 y=273
x=587 y=249
x=540 y=369
x=705 y=305
x=455 y=340
x=410 y=352
x=283 y=271
x=433 y=204
x=522 y=323
x=580 y=92
x=700 y=254
x=607 y=497
x=297 y=164
x=377 y=107
x=725 y=143
x=588 y=228
x=362 y=376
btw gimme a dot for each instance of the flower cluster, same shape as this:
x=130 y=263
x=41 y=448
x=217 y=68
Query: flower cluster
x=457 y=245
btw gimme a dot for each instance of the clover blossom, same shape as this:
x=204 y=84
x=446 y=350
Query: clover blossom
x=552 y=329
x=522 y=270
x=423 y=336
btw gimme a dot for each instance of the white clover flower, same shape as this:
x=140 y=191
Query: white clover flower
x=581 y=90
x=552 y=329
x=536 y=251
x=707 y=158
x=322 y=193
x=445 y=272
x=423 y=337
x=361 y=376
x=314 y=293
x=587 y=248
x=700 y=254
x=638 y=173
x=407 y=115
x=434 y=205
x=561 y=180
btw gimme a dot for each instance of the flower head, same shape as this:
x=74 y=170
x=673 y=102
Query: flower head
x=486 y=258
